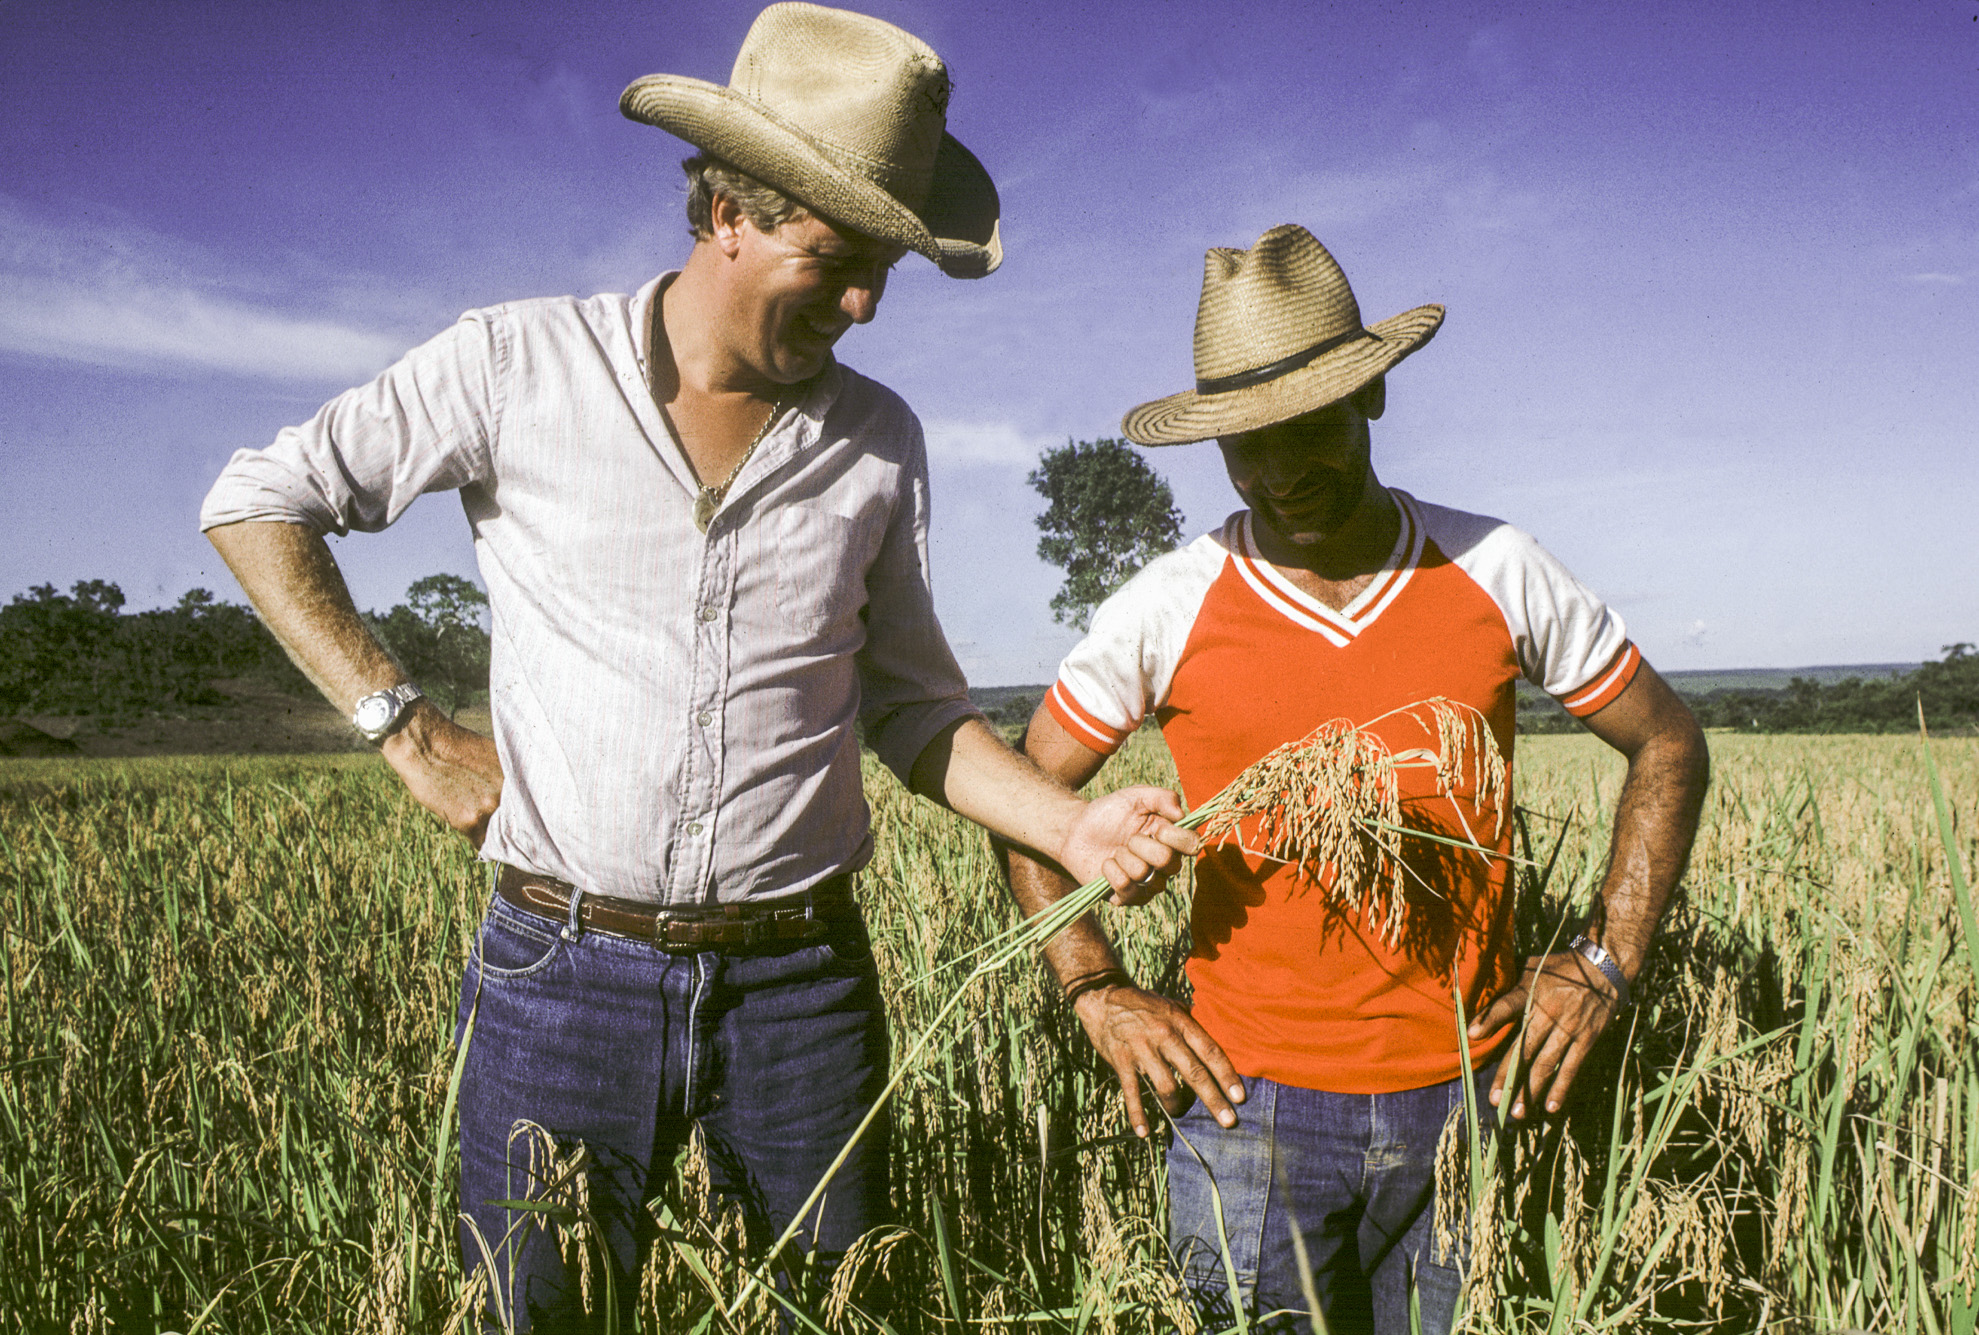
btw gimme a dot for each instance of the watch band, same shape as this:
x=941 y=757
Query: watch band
x=397 y=698
x=1605 y=962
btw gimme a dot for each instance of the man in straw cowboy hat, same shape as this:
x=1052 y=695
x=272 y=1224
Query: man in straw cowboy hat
x=1332 y=597
x=705 y=547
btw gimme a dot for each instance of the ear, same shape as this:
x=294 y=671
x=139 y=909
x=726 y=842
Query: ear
x=1371 y=399
x=726 y=221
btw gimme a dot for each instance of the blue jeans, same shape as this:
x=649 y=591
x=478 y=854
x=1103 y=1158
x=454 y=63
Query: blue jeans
x=1355 y=1173
x=777 y=1052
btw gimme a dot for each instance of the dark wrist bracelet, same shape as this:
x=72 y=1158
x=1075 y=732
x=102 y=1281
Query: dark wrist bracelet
x=1093 y=982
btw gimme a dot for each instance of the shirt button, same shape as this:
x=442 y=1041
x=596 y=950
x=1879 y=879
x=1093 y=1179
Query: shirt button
x=694 y=827
x=709 y=614
x=704 y=718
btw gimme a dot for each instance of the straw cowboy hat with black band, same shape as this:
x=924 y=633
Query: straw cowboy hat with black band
x=1278 y=335
x=848 y=115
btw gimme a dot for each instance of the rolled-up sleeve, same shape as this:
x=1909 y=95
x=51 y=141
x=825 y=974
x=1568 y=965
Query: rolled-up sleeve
x=910 y=684
x=423 y=425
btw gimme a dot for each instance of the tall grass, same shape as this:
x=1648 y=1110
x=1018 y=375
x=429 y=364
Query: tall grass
x=229 y=994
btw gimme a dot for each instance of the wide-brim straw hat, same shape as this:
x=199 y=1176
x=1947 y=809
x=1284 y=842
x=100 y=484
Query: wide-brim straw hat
x=848 y=115
x=1278 y=334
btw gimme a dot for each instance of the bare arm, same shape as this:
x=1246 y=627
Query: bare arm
x=289 y=575
x=1137 y=1032
x=1655 y=821
x=1128 y=836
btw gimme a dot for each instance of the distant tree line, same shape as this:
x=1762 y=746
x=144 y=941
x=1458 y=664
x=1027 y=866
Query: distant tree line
x=80 y=653
x=1947 y=690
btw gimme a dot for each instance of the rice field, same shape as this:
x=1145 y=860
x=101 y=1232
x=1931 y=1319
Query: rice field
x=228 y=1003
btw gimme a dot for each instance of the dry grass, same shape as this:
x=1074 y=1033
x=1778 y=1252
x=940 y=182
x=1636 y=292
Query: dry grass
x=229 y=991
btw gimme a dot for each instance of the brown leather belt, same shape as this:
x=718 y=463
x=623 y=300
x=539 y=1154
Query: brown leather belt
x=796 y=918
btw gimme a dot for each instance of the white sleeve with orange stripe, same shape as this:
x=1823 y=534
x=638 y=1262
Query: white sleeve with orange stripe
x=1120 y=673
x=1569 y=643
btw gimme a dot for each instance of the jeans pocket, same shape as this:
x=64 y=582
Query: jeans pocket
x=849 y=943
x=509 y=946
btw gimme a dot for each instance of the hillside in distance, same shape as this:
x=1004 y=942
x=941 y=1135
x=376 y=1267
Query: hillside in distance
x=1705 y=680
x=1001 y=700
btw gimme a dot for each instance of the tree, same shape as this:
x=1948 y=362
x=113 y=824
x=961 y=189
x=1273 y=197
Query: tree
x=1107 y=514
x=58 y=653
x=82 y=653
x=436 y=635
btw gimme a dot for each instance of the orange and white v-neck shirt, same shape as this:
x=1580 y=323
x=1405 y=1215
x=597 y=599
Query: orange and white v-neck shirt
x=1234 y=660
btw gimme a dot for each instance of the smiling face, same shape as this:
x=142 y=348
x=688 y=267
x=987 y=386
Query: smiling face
x=795 y=290
x=1305 y=479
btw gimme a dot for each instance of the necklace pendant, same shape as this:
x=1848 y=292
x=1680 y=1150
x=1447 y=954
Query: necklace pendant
x=704 y=507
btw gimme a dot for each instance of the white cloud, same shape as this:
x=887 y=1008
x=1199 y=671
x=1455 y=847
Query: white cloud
x=1948 y=279
x=982 y=445
x=111 y=296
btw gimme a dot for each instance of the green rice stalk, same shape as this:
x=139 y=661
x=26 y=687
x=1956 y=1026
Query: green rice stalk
x=1953 y=862
x=1237 y=1303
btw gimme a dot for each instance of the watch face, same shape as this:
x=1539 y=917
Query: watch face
x=373 y=713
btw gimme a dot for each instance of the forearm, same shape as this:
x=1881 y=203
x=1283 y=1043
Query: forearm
x=968 y=769
x=1655 y=821
x=1081 y=951
x=289 y=575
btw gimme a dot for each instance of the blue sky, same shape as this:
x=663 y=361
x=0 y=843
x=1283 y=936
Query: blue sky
x=1712 y=271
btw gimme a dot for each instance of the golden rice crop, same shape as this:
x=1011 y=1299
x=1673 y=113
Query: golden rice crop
x=229 y=993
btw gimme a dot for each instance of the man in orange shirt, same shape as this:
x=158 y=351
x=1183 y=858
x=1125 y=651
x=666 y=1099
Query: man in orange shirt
x=1332 y=597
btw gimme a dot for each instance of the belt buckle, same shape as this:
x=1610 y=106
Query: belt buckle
x=663 y=937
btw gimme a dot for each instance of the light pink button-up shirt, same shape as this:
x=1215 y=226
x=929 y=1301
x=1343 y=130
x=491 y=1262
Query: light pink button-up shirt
x=674 y=711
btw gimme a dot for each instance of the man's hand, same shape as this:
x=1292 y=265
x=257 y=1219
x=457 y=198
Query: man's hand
x=1129 y=837
x=1571 y=1002
x=1571 y=1005
x=1142 y=1034
x=451 y=771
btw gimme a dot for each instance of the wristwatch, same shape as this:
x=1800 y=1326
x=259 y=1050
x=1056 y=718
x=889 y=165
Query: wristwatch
x=382 y=713
x=1605 y=962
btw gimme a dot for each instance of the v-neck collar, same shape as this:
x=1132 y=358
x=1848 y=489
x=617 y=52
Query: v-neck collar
x=1341 y=626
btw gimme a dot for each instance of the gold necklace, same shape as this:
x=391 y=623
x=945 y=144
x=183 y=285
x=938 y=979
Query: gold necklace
x=710 y=497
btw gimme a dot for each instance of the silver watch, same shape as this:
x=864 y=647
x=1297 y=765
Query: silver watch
x=383 y=713
x=1605 y=962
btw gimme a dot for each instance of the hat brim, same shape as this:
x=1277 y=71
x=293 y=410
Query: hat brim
x=956 y=226
x=1188 y=417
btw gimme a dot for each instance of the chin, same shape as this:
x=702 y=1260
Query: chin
x=792 y=368
x=1300 y=533
x=802 y=361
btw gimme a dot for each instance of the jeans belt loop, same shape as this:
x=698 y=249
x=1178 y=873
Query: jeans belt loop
x=574 y=929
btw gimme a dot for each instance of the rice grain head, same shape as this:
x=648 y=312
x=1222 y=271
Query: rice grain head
x=1329 y=804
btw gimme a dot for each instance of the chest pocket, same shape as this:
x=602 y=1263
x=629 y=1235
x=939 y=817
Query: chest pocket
x=821 y=563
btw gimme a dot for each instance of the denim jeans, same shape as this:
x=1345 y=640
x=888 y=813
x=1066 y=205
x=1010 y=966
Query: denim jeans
x=777 y=1052
x=1355 y=1173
